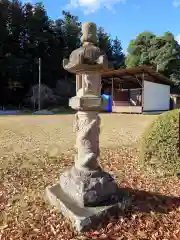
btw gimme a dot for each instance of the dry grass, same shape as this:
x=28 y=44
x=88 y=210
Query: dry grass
x=21 y=134
x=35 y=149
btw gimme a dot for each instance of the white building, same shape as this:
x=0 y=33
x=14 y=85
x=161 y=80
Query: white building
x=137 y=90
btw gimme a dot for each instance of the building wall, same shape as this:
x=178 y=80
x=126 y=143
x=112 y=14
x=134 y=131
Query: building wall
x=156 y=97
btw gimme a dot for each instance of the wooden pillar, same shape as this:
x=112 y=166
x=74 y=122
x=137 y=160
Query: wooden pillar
x=175 y=103
x=179 y=134
x=142 y=94
x=112 y=91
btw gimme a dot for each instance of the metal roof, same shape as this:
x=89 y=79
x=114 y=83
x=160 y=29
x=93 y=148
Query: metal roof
x=133 y=74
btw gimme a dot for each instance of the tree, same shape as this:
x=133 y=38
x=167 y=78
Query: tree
x=47 y=96
x=118 y=55
x=162 y=53
x=71 y=29
x=112 y=47
x=105 y=42
x=27 y=33
x=138 y=50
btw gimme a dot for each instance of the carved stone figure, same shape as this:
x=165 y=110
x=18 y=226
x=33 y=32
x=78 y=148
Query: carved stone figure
x=87 y=142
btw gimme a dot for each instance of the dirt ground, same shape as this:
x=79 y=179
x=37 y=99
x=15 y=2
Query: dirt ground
x=54 y=134
x=33 y=154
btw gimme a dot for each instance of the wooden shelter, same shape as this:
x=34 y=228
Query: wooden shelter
x=136 y=90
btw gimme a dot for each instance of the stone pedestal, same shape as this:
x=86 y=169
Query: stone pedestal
x=85 y=218
x=89 y=188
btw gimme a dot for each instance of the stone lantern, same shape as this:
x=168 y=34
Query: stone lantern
x=86 y=192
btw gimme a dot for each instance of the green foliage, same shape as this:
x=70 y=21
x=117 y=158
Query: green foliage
x=112 y=47
x=159 y=148
x=27 y=33
x=138 y=50
x=160 y=52
x=118 y=55
x=104 y=42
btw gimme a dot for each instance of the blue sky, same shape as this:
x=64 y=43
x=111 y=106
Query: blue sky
x=122 y=18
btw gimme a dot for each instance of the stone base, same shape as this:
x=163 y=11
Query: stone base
x=83 y=218
x=89 y=188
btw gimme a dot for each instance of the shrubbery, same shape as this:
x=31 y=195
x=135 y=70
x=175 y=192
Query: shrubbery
x=159 y=148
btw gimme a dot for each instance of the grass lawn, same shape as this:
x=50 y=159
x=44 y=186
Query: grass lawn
x=34 y=150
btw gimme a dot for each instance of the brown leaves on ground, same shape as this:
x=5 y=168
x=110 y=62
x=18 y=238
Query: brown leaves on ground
x=154 y=214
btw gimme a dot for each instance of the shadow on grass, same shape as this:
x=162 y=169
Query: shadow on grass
x=139 y=201
x=147 y=202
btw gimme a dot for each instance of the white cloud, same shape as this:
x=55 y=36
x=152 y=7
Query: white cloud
x=176 y=3
x=90 y=6
x=178 y=38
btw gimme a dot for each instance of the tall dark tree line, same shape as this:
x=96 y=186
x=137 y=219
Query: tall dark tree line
x=26 y=34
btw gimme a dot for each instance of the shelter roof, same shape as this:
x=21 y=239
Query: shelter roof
x=135 y=74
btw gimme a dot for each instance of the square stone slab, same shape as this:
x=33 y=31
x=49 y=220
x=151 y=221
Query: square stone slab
x=82 y=218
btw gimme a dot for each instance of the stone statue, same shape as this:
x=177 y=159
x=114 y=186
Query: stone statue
x=87 y=62
x=86 y=184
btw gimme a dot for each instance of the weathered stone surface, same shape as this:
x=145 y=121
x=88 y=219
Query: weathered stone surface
x=83 y=218
x=87 y=128
x=89 y=30
x=88 y=56
x=86 y=193
x=91 y=188
x=86 y=103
